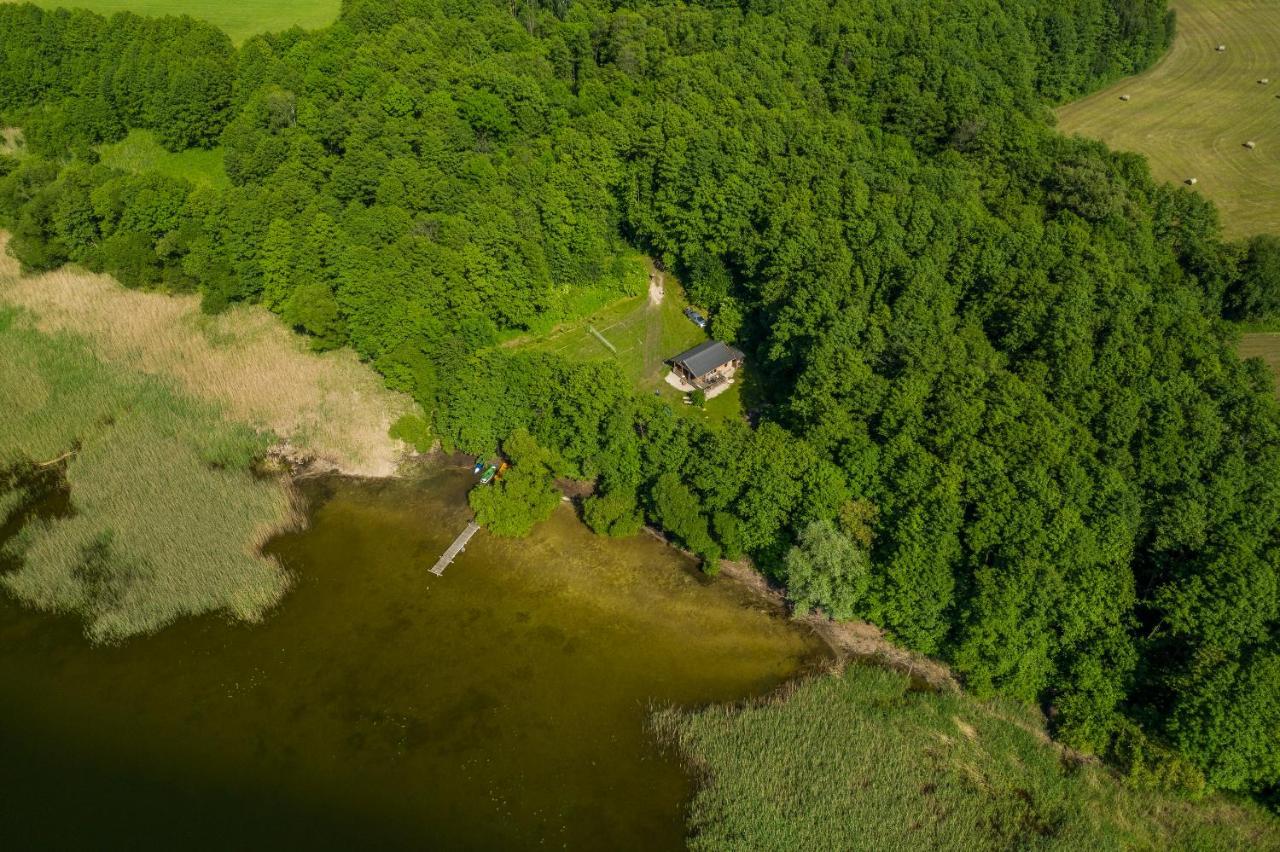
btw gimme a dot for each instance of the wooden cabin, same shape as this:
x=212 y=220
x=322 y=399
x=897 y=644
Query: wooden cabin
x=707 y=364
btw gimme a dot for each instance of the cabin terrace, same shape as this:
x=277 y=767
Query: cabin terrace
x=709 y=367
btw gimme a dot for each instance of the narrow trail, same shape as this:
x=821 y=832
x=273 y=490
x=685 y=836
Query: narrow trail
x=651 y=355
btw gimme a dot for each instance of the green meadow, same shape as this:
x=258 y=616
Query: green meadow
x=139 y=152
x=644 y=336
x=1192 y=113
x=240 y=19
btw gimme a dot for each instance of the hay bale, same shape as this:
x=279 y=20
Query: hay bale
x=1250 y=144
x=1220 y=48
x=1192 y=181
x=1124 y=97
x=1263 y=81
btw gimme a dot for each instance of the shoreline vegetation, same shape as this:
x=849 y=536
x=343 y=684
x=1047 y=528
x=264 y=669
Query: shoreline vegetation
x=175 y=437
x=165 y=517
x=336 y=418
x=862 y=758
x=995 y=405
x=329 y=411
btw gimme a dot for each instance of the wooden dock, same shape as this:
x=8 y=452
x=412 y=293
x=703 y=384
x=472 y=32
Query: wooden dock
x=457 y=547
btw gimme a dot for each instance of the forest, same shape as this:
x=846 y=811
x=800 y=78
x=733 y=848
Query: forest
x=1001 y=415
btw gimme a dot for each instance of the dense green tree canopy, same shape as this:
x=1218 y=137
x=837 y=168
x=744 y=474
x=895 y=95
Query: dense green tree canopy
x=1000 y=414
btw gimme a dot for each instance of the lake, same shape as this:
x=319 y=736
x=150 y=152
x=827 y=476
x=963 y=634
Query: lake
x=502 y=705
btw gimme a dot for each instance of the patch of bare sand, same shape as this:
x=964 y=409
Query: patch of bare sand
x=657 y=286
x=329 y=408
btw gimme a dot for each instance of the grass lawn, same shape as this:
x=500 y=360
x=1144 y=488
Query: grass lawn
x=645 y=335
x=140 y=152
x=727 y=405
x=861 y=761
x=239 y=18
x=1192 y=113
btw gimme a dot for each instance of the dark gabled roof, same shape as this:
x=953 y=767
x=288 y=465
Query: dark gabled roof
x=705 y=357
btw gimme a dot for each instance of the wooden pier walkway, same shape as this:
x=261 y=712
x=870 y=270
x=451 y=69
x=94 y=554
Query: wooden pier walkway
x=454 y=549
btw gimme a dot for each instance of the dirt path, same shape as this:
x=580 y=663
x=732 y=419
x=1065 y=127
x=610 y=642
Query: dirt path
x=657 y=286
x=652 y=356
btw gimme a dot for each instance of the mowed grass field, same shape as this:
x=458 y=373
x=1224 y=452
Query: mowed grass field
x=1264 y=345
x=238 y=18
x=1193 y=112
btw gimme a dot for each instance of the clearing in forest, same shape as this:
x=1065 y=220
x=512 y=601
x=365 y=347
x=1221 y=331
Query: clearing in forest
x=1264 y=345
x=239 y=19
x=140 y=153
x=11 y=142
x=245 y=361
x=644 y=332
x=1192 y=114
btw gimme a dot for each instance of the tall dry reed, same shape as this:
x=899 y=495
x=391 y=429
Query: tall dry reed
x=167 y=518
x=245 y=361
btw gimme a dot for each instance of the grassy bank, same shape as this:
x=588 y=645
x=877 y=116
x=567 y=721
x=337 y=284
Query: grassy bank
x=166 y=517
x=860 y=761
x=1193 y=112
x=244 y=361
x=239 y=20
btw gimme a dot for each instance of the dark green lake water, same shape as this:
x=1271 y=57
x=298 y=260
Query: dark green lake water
x=502 y=705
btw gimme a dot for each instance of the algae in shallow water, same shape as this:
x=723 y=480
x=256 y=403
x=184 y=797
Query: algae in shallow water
x=503 y=705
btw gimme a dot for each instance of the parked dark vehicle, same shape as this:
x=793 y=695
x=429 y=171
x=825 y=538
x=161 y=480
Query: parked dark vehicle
x=698 y=319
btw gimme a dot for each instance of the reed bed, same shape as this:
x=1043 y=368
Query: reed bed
x=245 y=361
x=861 y=761
x=12 y=498
x=167 y=518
